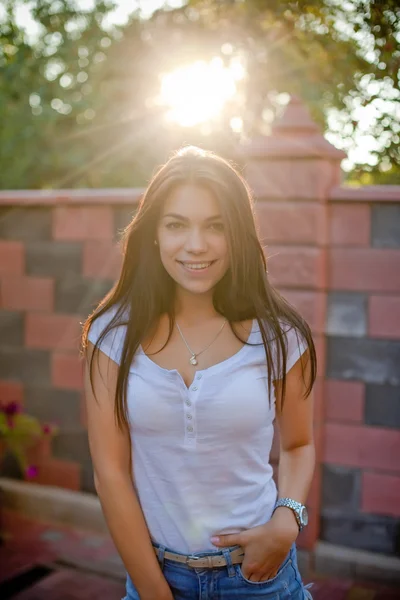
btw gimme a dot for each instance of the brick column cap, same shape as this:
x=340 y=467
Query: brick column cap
x=294 y=135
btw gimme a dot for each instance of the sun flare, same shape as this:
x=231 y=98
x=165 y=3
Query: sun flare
x=198 y=92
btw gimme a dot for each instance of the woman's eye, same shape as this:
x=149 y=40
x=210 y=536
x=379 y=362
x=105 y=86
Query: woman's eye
x=173 y=225
x=217 y=226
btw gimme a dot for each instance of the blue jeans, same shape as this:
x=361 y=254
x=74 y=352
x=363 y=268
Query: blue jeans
x=227 y=583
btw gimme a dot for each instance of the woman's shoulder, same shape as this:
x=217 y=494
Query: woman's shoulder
x=289 y=331
x=294 y=342
x=108 y=330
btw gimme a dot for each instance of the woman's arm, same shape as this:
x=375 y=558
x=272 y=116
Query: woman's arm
x=297 y=451
x=111 y=455
x=266 y=546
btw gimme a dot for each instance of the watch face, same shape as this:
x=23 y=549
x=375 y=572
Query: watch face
x=304 y=516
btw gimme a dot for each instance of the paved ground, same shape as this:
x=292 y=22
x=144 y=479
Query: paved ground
x=87 y=567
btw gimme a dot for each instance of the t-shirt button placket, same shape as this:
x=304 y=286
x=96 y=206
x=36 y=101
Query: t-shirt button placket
x=190 y=420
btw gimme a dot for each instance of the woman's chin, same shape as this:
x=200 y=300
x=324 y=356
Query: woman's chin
x=196 y=287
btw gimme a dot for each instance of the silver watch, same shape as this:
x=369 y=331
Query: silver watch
x=300 y=511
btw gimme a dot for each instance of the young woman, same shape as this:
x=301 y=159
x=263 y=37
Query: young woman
x=190 y=358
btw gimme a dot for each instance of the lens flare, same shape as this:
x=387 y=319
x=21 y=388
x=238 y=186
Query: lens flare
x=198 y=92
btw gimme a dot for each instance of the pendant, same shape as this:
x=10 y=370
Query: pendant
x=193 y=360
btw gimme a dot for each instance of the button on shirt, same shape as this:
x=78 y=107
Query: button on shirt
x=200 y=454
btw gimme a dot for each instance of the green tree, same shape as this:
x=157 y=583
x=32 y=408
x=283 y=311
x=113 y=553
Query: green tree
x=79 y=102
x=336 y=55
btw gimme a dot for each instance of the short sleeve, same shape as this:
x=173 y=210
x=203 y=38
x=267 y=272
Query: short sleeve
x=113 y=342
x=295 y=346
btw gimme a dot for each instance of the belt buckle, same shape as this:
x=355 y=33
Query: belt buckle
x=193 y=557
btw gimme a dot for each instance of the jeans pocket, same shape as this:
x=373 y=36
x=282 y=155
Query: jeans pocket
x=268 y=582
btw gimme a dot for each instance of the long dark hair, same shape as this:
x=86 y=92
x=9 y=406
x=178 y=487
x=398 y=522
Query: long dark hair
x=145 y=291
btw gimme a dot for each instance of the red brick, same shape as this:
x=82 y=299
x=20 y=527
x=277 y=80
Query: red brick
x=101 y=260
x=297 y=267
x=61 y=473
x=27 y=293
x=66 y=371
x=52 y=331
x=384 y=316
x=18 y=526
x=82 y=223
x=292 y=222
x=369 y=269
x=350 y=225
x=11 y=391
x=364 y=447
x=380 y=494
x=344 y=400
x=40 y=452
x=12 y=258
x=291 y=178
x=311 y=305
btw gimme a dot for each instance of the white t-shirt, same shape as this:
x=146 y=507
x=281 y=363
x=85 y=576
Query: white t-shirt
x=200 y=455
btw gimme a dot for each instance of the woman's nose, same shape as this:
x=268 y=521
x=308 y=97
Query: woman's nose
x=196 y=241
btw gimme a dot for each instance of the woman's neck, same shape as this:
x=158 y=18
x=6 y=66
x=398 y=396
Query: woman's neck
x=193 y=309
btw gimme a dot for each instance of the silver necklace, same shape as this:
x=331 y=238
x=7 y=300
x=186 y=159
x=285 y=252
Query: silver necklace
x=193 y=355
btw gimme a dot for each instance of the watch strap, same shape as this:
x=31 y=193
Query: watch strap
x=295 y=506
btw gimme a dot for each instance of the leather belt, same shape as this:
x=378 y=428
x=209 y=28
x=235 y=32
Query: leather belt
x=204 y=562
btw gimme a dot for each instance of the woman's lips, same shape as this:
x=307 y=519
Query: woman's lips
x=196 y=267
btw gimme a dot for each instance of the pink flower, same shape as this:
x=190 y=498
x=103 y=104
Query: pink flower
x=11 y=409
x=31 y=471
x=46 y=428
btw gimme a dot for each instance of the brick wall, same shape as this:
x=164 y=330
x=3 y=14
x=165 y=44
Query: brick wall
x=361 y=471
x=58 y=257
x=334 y=253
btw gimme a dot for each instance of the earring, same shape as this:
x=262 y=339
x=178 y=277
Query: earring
x=155 y=243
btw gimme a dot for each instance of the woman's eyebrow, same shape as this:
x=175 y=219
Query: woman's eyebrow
x=182 y=218
x=175 y=216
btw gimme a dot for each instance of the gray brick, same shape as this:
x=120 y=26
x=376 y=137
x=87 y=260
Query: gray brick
x=53 y=258
x=72 y=445
x=366 y=532
x=87 y=477
x=11 y=328
x=386 y=226
x=77 y=295
x=25 y=365
x=382 y=405
x=369 y=360
x=347 y=314
x=9 y=467
x=25 y=223
x=49 y=404
x=340 y=487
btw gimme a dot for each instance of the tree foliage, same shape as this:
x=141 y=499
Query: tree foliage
x=78 y=101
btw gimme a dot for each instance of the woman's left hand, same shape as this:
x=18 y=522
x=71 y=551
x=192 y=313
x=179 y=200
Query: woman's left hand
x=265 y=547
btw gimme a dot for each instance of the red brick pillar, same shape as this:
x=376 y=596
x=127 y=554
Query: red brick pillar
x=291 y=173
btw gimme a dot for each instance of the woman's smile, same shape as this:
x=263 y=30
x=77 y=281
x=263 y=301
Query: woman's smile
x=196 y=268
